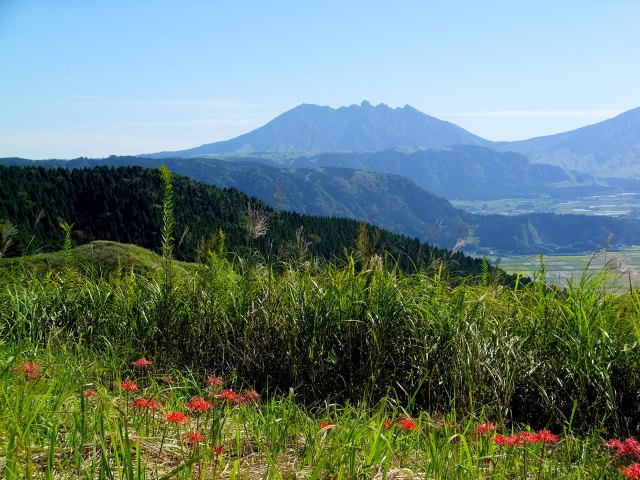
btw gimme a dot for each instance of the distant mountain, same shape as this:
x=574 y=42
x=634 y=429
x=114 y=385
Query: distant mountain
x=459 y=172
x=607 y=149
x=357 y=128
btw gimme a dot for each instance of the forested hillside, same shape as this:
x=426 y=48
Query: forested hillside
x=124 y=204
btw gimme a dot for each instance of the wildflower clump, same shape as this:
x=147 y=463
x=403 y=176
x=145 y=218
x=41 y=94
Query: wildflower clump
x=178 y=418
x=485 y=428
x=198 y=404
x=194 y=438
x=628 y=446
x=144 y=403
x=212 y=381
x=128 y=385
x=141 y=363
x=30 y=370
x=89 y=392
x=407 y=424
x=521 y=438
x=632 y=471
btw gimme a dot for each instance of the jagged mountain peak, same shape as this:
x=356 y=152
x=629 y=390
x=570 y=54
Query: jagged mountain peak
x=310 y=128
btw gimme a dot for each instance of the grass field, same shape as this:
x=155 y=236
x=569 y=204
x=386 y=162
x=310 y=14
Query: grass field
x=238 y=368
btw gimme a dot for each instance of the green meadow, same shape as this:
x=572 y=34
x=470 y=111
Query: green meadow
x=125 y=364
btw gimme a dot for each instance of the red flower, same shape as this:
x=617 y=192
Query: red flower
x=632 y=471
x=526 y=437
x=199 y=404
x=407 y=424
x=629 y=446
x=500 y=440
x=545 y=436
x=324 y=425
x=613 y=443
x=142 y=362
x=214 y=381
x=149 y=404
x=228 y=395
x=387 y=423
x=128 y=385
x=485 y=428
x=194 y=438
x=89 y=392
x=178 y=418
x=521 y=438
x=30 y=370
x=250 y=396
x=217 y=450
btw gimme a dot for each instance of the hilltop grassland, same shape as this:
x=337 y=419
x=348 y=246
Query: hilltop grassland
x=363 y=372
x=116 y=362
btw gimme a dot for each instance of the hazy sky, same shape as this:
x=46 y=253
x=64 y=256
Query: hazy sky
x=95 y=78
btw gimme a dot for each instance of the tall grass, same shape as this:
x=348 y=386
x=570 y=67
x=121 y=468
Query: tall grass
x=343 y=333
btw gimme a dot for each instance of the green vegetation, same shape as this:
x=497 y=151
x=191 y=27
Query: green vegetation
x=361 y=369
x=397 y=203
x=125 y=205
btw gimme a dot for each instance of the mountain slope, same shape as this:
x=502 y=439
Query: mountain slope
x=357 y=128
x=607 y=149
x=459 y=172
x=389 y=201
x=338 y=189
x=124 y=205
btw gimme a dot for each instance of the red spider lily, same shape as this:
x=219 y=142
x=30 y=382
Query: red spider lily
x=500 y=440
x=217 y=450
x=30 y=370
x=485 y=428
x=142 y=362
x=407 y=424
x=194 y=438
x=212 y=381
x=149 y=404
x=89 y=392
x=228 y=395
x=198 y=404
x=629 y=446
x=250 y=396
x=178 y=418
x=521 y=438
x=546 y=437
x=324 y=425
x=128 y=385
x=515 y=440
x=387 y=423
x=632 y=471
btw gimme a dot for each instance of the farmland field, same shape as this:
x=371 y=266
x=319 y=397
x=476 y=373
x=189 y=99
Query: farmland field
x=613 y=205
x=621 y=267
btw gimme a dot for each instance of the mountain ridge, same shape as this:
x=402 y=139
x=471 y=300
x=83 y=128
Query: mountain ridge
x=610 y=148
x=310 y=128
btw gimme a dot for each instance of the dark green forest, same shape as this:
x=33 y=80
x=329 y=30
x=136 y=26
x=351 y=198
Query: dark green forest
x=393 y=203
x=124 y=204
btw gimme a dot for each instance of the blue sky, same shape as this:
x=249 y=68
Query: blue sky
x=89 y=78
